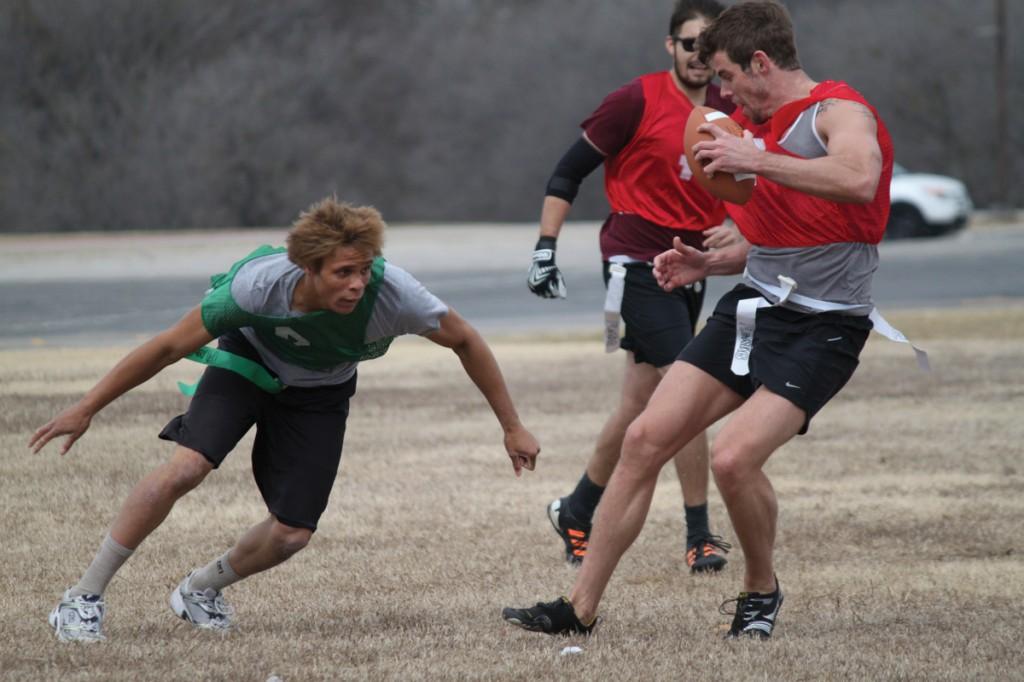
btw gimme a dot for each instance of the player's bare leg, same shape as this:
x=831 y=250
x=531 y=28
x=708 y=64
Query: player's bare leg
x=153 y=497
x=760 y=426
x=571 y=515
x=79 y=614
x=692 y=469
x=638 y=383
x=651 y=440
x=198 y=598
x=266 y=545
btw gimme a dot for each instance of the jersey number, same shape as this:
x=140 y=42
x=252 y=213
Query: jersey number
x=685 y=173
x=289 y=334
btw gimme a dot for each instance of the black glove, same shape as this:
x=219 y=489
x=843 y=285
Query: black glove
x=544 y=279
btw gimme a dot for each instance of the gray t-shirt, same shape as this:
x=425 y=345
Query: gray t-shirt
x=265 y=286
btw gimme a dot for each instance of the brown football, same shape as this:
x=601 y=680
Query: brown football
x=723 y=185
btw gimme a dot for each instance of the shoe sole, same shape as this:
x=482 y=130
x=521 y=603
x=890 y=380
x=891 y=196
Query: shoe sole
x=532 y=627
x=709 y=567
x=553 y=510
x=178 y=605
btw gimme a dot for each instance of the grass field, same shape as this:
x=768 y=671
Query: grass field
x=900 y=542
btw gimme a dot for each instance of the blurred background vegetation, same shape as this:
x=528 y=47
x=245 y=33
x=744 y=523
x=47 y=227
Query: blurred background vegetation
x=128 y=114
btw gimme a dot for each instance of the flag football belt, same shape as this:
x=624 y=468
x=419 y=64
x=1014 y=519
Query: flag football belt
x=613 y=300
x=253 y=371
x=746 y=315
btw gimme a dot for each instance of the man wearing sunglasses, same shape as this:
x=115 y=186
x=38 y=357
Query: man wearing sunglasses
x=637 y=133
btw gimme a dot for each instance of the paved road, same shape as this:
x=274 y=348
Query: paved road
x=90 y=289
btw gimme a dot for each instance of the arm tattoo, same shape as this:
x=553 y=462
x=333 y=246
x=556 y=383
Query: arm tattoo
x=827 y=104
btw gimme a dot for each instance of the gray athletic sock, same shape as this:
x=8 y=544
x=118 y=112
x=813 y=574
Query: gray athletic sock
x=105 y=564
x=215 y=575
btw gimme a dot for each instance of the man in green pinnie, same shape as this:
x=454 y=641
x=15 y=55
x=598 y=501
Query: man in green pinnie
x=292 y=325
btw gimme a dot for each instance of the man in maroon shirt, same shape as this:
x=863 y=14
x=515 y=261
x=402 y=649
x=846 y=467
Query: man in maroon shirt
x=637 y=133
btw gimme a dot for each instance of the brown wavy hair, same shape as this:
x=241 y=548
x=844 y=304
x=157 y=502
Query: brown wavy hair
x=330 y=223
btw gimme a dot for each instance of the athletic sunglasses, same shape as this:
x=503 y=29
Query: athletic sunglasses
x=687 y=43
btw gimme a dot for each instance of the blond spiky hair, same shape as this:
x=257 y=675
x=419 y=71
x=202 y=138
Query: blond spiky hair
x=330 y=223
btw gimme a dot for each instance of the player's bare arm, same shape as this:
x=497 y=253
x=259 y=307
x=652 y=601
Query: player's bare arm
x=135 y=368
x=849 y=172
x=683 y=264
x=483 y=370
x=553 y=214
x=555 y=210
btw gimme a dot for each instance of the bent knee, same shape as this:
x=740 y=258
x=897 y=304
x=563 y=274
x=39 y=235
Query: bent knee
x=643 y=451
x=729 y=466
x=289 y=540
x=184 y=471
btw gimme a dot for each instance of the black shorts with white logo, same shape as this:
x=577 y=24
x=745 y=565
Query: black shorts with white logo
x=805 y=358
x=299 y=434
x=658 y=323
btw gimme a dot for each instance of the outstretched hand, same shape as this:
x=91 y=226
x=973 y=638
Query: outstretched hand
x=679 y=266
x=72 y=422
x=522 y=449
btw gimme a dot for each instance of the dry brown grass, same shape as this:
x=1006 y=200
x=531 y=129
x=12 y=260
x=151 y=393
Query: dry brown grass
x=900 y=543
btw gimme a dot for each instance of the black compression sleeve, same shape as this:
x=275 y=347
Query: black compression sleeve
x=579 y=162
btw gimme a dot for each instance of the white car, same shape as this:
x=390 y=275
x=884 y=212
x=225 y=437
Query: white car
x=925 y=205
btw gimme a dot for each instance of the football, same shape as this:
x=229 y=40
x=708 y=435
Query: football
x=734 y=189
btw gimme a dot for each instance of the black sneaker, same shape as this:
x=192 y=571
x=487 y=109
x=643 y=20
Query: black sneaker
x=553 y=618
x=574 y=534
x=705 y=554
x=755 y=614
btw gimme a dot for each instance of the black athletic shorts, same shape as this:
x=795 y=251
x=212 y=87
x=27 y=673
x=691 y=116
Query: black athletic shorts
x=659 y=323
x=805 y=358
x=299 y=434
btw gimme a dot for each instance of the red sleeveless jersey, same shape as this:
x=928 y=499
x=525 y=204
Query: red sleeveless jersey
x=649 y=176
x=779 y=216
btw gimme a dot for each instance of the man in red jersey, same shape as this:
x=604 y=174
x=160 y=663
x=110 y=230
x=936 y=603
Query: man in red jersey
x=637 y=133
x=813 y=224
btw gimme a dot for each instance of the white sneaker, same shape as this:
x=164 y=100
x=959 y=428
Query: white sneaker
x=206 y=610
x=79 y=619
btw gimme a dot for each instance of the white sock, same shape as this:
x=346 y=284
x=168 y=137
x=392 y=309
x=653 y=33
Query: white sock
x=215 y=575
x=105 y=564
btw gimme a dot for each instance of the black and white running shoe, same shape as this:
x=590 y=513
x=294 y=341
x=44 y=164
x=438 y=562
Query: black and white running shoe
x=755 y=614
x=553 y=618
